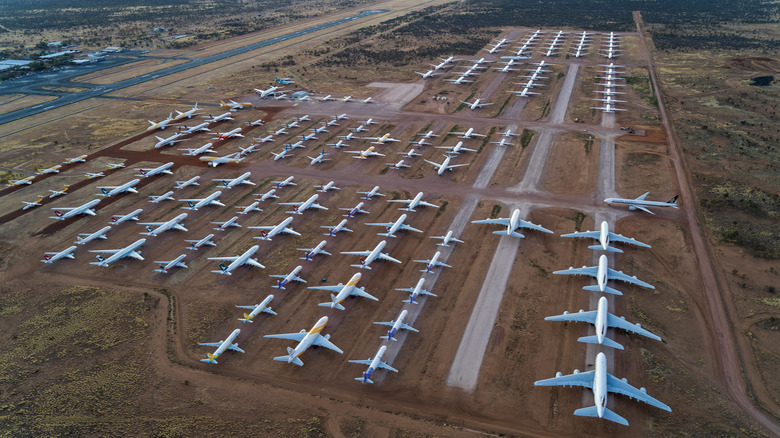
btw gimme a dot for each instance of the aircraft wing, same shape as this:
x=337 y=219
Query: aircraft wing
x=322 y=341
x=614 y=321
x=380 y=224
x=526 y=224
x=590 y=271
x=616 y=275
x=210 y=344
x=384 y=256
x=452 y=166
x=409 y=228
x=297 y=204
x=134 y=255
x=589 y=317
x=620 y=387
x=428 y=204
x=327 y=288
x=291 y=336
x=151 y=224
x=105 y=251
x=613 y=237
x=315 y=205
x=643 y=208
x=589 y=234
x=499 y=221
x=222 y=259
x=253 y=263
x=386 y=366
x=360 y=292
x=584 y=379
x=408 y=327
x=358 y=253
x=407 y=201
x=287 y=230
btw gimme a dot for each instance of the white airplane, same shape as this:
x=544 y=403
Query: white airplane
x=116 y=254
x=165 y=265
x=326 y=98
x=79 y=159
x=445 y=165
x=364 y=154
x=411 y=154
x=227 y=344
x=68 y=212
x=247 y=150
x=459 y=81
x=264 y=94
x=641 y=203
x=351 y=212
x=505 y=69
x=220 y=118
x=333 y=229
x=303 y=118
x=51 y=257
x=322 y=128
x=512 y=224
x=503 y=142
x=163 y=169
x=347 y=98
x=318 y=159
x=416 y=291
x=311 y=252
x=432 y=263
x=343 y=291
x=115 y=165
x=285 y=279
x=195 y=204
x=371 y=193
x=187 y=114
x=63 y=191
x=367 y=100
x=374 y=364
x=439 y=66
x=446 y=239
x=369 y=256
x=338 y=144
x=428 y=134
x=525 y=92
x=249 y=208
x=601 y=383
x=476 y=104
x=300 y=207
x=170 y=141
x=305 y=340
x=270 y=231
x=360 y=128
x=239 y=260
x=160 y=227
x=393 y=227
x=286 y=182
x=235 y=106
x=229 y=183
x=223 y=226
x=341 y=117
x=603 y=273
x=279 y=131
x=329 y=186
x=604 y=236
x=414 y=202
x=296 y=145
x=395 y=326
x=602 y=320
x=428 y=74
x=53 y=169
x=23 y=181
x=457 y=149
x=266 y=139
x=267 y=195
x=129 y=186
x=84 y=238
x=235 y=157
x=256 y=309
x=229 y=134
x=132 y=216
x=609 y=108
x=420 y=143
x=196 y=244
x=449 y=59
x=190 y=182
x=31 y=204
x=197 y=128
x=309 y=137
x=281 y=155
x=160 y=125
x=167 y=196
x=399 y=165
x=469 y=133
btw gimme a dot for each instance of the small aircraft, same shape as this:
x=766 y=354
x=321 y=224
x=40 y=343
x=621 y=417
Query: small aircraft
x=641 y=203
x=609 y=108
x=23 y=181
x=224 y=225
x=399 y=165
x=469 y=133
x=432 y=263
x=338 y=144
x=396 y=325
x=115 y=165
x=229 y=183
x=249 y=208
x=239 y=260
x=414 y=202
x=459 y=81
x=285 y=279
x=267 y=195
x=300 y=207
x=163 y=169
x=117 y=254
x=190 y=182
x=503 y=142
x=296 y=145
x=348 y=137
x=371 y=193
x=445 y=165
x=160 y=227
x=341 y=117
x=326 y=98
x=220 y=118
x=68 y=212
x=360 y=128
x=416 y=291
x=602 y=320
x=305 y=340
x=308 y=137
x=285 y=183
x=369 y=256
x=196 y=244
x=268 y=138
x=234 y=158
x=84 y=238
x=329 y=186
x=93 y=175
x=343 y=291
x=31 y=204
x=364 y=154
x=428 y=135
x=457 y=149
x=132 y=216
x=51 y=257
x=525 y=92
x=351 y=212
x=165 y=265
x=279 y=131
x=439 y=66
x=167 y=196
x=311 y=252
x=601 y=383
x=449 y=59
x=603 y=273
x=227 y=344
x=322 y=128
x=374 y=364
x=235 y=106
x=247 y=150
x=229 y=134
x=79 y=159
x=268 y=92
x=333 y=229
x=332 y=122
x=318 y=159
x=195 y=204
x=367 y=100
x=382 y=140
x=53 y=169
x=476 y=104
x=428 y=74
x=197 y=128
x=393 y=227
x=256 y=309
x=347 y=98
x=512 y=224
x=446 y=239
x=170 y=141
x=282 y=154
x=187 y=114
x=410 y=154
x=62 y=191
x=160 y=125
x=604 y=236
x=270 y=231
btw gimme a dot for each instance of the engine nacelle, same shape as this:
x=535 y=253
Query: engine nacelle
x=302 y=331
x=644 y=391
x=624 y=380
x=582 y=311
x=576 y=371
x=327 y=336
x=623 y=318
x=558 y=374
x=565 y=312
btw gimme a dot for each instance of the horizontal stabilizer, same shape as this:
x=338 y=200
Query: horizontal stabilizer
x=387 y=338
x=609 y=248
x=513 y=234
x=607 y=289
x=360 y=379
x=296 y=361
x=595 y=340
x=409 y=301
x=608 y=415
x=332 y=305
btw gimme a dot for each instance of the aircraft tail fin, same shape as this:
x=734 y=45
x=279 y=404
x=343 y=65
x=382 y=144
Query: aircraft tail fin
x=606 y=342
x=607 y=289
x=608 y=415
x=609 y=248
x=673 y=201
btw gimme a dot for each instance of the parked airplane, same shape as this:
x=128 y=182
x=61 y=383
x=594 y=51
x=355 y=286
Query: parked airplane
x=367 y=100
x=235 y=106
x=282 y=154
x=506 y=69
x=308 y=137
x=347 y=98
x=162 y=169
x=609 y=108
x=393 y=227
x=333 y=229
x=132 y=216
x=411 y=154
x=267 y=195
x=285 y=279
x=286 y=182
x=326 y=98
x=416 y=291
x=256 y=309
x=459 y=81
x=296 y=145
x=227 y=344
x=602 y=272
x=268 y=92
x=284 y=81
x=351 y=212
x=220 y=118
x=469 y=133
x=51 y=257
x=190 y=182
x=53 y=169
x=420 y=143
x=160 y=227
x=329 y=186
x=305 y=340
x=457 y=149
x=439 y=66
x=368 y=256
x=247 y=150
x=396 y=325
x=428 y=74
x=187 y=114
x=601 y=383
x=62 y=191
x=512 y=224
x=160 y=125
x=235 y=157
x=347 y=137
x=239 y=260
x=165 y=265
x=268 y=138
x=249 y=208
x=364 y=154
x=371 y=193
x=641 y=203
x=414 y=202
x=93 y=175
x=432 y=263
x=604 y=236
x=170 y=141
x=196 y=244
x=167 y=196
x=195 y=204
x=79 y=159
x=197 y=128
x=229 y=134
x=445 y=165
x=503 y=142
x=229 y=183
x=343 y=291
x=311 y=252
x=84 y=238
x=525 y=92
x=223 y=226
x=279 y=131
x=447 y=238
x=318 y=159
x=270 y=231
x=61 y=213
x=360 y=128
x=115 y=165
x=476 y=104
x=374 y=364
x=400 y=164
x=116 y=254
x=31 y=204
x=23 y=181
x=300 y=207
